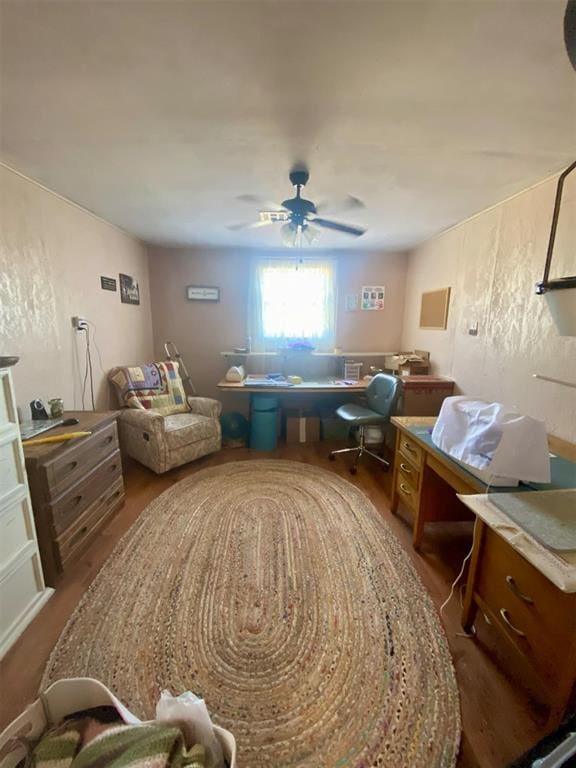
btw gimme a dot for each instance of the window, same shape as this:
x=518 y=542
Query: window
x=293 y=299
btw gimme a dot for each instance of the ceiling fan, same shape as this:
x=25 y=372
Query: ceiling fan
x=300 y=217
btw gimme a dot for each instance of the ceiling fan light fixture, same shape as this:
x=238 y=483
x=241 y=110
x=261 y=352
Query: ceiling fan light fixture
x=310 y=234
x=297 y=235
x=298 y=214
x=289 y=234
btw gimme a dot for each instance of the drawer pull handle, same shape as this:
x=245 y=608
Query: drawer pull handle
x=516 y=590
x=113 y=467
x=77 y=499
x=406 y=468
x=409 y=447
x=79 y=534
x=504 y=614
x=108 y=440
x=405 y=489
x=72 y=465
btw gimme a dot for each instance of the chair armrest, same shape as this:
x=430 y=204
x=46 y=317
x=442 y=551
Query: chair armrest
x=205 y=406
x=138 y=417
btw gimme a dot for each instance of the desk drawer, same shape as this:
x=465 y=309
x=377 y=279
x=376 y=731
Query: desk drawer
x=407 y=493
x=67 y=508
x=73 y=465
x=537 y=617
x=411 y=450
x=82 y=531
x=410 y=475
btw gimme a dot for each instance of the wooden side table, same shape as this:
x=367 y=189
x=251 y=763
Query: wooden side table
x=75 y=488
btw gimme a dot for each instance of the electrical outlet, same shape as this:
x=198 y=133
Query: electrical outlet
x=79 y=324
x=473 y=329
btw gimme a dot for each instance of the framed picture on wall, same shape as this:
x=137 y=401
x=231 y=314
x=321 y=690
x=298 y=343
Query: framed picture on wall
x=372 y=297
x=129 y=290
x=202 y=293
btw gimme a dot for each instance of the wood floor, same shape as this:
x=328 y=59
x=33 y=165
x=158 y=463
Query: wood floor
x=500 y=720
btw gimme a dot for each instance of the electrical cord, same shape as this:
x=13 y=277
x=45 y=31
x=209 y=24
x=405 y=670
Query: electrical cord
x=460 y=574
x=84 y=382
x=89 y=360
x=96 y=346
x=88 y=373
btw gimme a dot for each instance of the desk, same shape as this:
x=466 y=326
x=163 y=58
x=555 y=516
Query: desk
x=528 y=592
x=425 y=477
x=327 y=386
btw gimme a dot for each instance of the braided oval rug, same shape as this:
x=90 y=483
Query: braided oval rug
x=275 y=590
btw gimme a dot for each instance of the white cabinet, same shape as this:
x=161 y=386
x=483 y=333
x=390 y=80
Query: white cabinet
x=22 y=588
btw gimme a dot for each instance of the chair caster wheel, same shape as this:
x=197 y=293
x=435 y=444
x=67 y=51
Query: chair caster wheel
x=331 y=457
x=353 y=470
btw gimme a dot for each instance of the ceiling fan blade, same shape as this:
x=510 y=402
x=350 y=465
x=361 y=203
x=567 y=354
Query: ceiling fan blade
x=260 y=201
x=348 y=203
x=250 y=225
x=335 y=225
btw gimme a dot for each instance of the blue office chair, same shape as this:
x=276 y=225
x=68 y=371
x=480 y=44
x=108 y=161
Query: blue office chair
x=382 y=395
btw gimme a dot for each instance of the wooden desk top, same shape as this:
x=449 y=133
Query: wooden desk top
x=405 y=422
x=88 y=421
x=558 y=567
x=317 y=387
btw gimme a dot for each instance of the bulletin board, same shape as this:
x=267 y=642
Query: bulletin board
x=434 y=309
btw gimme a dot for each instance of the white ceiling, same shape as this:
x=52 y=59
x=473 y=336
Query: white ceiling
x=156 y=115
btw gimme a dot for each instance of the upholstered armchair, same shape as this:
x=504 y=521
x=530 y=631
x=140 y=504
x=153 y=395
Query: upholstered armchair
x=159 y=426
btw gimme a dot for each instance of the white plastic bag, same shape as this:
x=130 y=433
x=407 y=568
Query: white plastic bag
x=491 y=437
x=190 y=713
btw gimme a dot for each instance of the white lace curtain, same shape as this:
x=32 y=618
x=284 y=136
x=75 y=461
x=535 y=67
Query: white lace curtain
x=293 y=299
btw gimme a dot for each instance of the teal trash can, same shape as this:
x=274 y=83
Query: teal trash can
x=264 y=423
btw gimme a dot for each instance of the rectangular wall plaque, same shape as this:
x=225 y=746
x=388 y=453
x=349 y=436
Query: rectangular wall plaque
x=202 y=293
x=108 y=283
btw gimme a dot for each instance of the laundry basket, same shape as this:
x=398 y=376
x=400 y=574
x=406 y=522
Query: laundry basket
x=63 y=698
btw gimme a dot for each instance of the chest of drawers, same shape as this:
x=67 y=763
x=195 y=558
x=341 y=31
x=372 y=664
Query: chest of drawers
x=75 y=488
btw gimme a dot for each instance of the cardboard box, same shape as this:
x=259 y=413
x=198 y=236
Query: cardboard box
x=332 y=427
x=408 y=363
x=302 y=426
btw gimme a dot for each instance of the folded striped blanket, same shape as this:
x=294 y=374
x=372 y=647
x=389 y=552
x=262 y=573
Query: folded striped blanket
x=118 y=746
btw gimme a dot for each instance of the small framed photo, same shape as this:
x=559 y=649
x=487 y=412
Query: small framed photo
x=372 y=297
x=129 y=290
x=202 y=293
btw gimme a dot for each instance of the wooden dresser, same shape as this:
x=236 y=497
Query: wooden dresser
x=75 y=487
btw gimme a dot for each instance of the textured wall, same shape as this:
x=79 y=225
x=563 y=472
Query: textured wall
x=52 y=254
x=492 y=263
x=201 y=329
